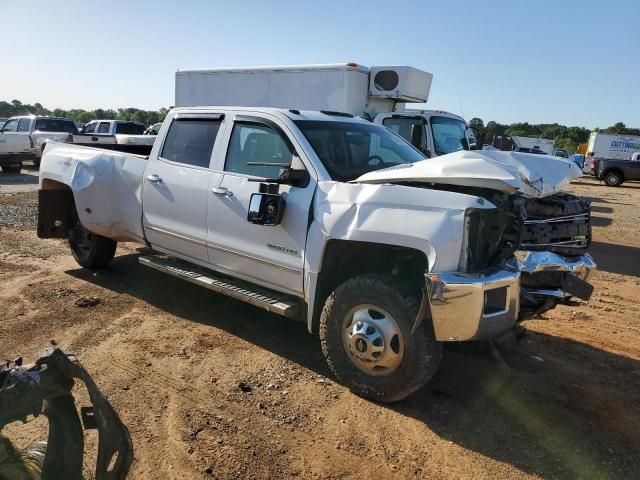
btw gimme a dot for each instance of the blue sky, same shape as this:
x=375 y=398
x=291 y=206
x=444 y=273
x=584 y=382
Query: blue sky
x=572 y=62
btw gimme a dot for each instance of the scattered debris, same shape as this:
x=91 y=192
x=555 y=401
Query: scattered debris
x=87 y=301
x=245 y=387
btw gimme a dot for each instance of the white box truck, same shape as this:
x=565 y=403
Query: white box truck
x=342 y=87
x=375 y=93
x=609 y=146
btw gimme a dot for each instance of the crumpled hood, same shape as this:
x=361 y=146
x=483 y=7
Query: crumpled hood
x=529 y=174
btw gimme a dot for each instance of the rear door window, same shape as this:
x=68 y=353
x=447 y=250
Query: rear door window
x=130 y=128
x=103 y=127
x=55 y=125
x=190 y=141
x=24 y=124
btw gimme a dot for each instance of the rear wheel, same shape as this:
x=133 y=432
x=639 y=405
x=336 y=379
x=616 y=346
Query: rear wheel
x=365 y=330
x=613 y=179
x=14 y=168
x=89 y=249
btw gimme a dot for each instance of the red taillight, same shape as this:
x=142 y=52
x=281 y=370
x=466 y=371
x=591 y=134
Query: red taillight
x=31 y=141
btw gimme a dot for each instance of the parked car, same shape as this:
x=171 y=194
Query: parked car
x=616 y=172
x=124 y=132
x=335 y=221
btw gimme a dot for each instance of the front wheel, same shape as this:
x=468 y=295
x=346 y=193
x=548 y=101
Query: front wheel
x=365 y=330
x=89 y=249
x=613 y=179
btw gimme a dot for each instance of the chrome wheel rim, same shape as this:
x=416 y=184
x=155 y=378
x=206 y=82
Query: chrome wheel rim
x=372 y=340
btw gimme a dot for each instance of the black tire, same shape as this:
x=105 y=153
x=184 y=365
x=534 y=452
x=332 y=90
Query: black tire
x=15 y=168
x=421 y=352
x=613 y=179
x=89 y=249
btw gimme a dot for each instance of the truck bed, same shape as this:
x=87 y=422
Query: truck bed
x=141 y=150
x=106 y=184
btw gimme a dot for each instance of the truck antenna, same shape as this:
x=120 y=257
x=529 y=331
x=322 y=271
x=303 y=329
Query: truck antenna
x=460 y=103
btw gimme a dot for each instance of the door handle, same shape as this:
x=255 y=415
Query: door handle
x=222 y=191
x=153 y=178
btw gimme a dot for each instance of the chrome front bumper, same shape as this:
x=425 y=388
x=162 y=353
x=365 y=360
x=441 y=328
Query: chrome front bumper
x=472 y=306
x=482 y=305
x=535 y=262
x=540 y=263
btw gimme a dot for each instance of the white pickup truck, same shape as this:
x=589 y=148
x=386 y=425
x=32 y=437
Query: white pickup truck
x=26 y=137
x=335 y=221
x=120 y=131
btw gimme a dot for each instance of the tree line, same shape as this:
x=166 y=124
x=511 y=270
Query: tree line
x=148 y=117
x=566 y=138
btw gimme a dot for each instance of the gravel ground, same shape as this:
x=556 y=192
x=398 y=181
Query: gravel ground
x=19 y=210
x=214 y=388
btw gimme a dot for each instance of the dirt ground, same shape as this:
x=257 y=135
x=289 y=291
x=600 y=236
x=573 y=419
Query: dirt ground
x=170 y=357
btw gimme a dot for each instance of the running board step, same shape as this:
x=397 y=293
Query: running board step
x=265 y=298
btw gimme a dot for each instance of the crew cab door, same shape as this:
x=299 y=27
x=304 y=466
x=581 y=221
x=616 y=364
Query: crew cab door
x=268 y=255
x=176 y=187
x=14 y=138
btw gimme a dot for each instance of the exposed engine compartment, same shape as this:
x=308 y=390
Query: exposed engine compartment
x=558 y=225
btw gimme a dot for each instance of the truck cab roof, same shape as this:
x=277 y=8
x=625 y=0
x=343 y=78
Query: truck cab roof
x=292 y=114
x=37 y=117
x=429 y=113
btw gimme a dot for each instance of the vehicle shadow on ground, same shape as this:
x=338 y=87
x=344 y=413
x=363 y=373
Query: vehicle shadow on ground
x=613 y=258
x=602 y=200
x=18 y=178
x=571 y=412
x=595 y=182
x=597 y=221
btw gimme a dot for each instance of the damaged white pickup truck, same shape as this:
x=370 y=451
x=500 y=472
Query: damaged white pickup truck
x=335 y=221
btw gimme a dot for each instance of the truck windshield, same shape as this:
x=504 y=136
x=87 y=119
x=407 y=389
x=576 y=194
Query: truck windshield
x=448 y=134
x=349 y=150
